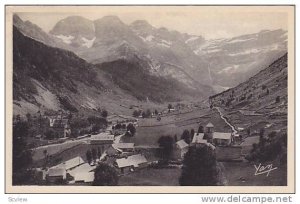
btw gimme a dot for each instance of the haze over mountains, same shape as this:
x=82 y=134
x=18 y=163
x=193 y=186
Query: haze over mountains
x=178 y=63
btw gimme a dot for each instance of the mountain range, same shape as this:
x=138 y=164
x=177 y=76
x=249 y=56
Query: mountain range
x=174 y=65
x=191 y=59
x=50 y=78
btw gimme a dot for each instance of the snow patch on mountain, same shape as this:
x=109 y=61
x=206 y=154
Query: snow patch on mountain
x=240 y=40
x=245 y=52
x=230 y=69
x=65 y=38
x=88 y=43
x=148 y=38
x=165 y=43
x=192 y=39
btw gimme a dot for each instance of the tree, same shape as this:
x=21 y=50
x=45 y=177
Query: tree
x=166 y=145
x=94 y=154
x=98 y=152
x=261 y=137
x=22 y=155
x=50 y=134
x=136 y=113
x=131 y=129
x=105 y=175
x=200 y=129
x=248 y=131
x=104 y=113
x=123 y=126
x=175 y=138
x=89 y=156
x=96 y=128
x=186 y=136
x=45 y=152
x=118 y=126
x=29 y=118
x=148 y=113
x=199 y=167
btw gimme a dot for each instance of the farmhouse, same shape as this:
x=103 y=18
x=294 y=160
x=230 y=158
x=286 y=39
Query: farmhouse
x=198 y=141
x=111 y=151
x=56 y=175
x=102 y=138
x=181 y=148
x=60 y=126
x=69 y=164
x=125 y=147
x=131 y=163
x=237 y=138
x=222 y=138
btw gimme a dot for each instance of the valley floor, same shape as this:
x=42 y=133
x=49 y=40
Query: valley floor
x=150 y=130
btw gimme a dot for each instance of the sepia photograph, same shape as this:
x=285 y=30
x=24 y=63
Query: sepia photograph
x=182 y=98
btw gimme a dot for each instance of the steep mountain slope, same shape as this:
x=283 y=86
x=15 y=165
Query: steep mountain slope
x=167 y=52
x=133 y=77
x=33 y=31
x=259 y=93
x=240 y=57
x=49 y=78
x=39 y=69
x=190 y=59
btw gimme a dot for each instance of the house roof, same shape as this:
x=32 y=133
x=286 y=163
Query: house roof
x=123 y=145
x=209 y=125
x=69 y=164
x=57 y=172
x=84 y=176
x=103 y=136
x=182 y=144
x=222 y=135
x=198 y=138
x=133 y=160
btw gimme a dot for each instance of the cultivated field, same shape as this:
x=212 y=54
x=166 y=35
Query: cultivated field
x=150 y=130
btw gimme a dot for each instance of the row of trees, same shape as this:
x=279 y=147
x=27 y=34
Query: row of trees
x=187 y=135
x=144 y=114
x=93 y=155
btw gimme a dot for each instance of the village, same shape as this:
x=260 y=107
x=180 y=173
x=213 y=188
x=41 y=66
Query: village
x=72 y=161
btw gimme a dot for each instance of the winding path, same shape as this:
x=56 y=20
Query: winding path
x=226 y=121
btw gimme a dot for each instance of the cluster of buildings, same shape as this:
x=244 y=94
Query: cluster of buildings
x=208 y=138
x=122 y=156
x=74 y=170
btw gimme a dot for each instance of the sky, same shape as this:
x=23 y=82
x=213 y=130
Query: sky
x=210 y=22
